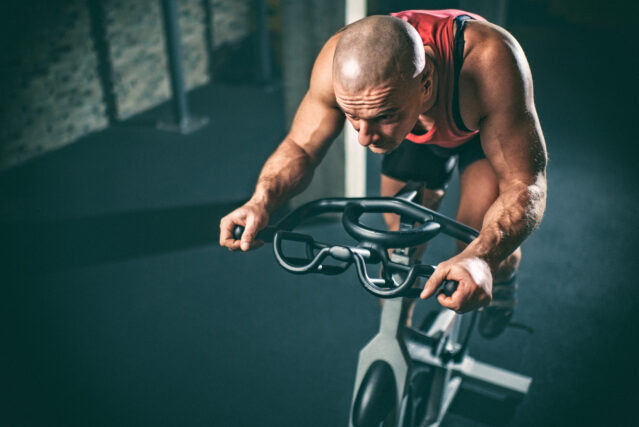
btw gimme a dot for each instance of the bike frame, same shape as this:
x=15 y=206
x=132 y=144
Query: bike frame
x=439 y=350
x=387 y=362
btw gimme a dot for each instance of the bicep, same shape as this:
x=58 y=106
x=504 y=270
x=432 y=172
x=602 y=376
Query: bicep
x=315 y=126
x=510 y=130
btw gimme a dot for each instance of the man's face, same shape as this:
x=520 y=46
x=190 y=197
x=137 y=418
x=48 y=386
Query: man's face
x=382 y=115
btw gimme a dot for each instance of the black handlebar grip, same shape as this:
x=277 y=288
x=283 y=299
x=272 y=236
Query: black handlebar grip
x=448 y=287
x=238 y=230
x=266 y=234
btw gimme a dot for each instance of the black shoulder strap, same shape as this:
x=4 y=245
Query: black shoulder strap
x=458 y=59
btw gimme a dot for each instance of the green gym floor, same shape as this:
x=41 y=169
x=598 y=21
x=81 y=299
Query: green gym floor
x=119 y=308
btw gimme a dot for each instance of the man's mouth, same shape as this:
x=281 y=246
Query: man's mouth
x=383 y=147
x=379 y=144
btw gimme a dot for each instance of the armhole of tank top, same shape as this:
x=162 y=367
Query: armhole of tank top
x=458 y=59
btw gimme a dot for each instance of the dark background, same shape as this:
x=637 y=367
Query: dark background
x=118 y=307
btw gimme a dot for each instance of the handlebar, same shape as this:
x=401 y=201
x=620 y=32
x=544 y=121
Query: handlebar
x=373 y=244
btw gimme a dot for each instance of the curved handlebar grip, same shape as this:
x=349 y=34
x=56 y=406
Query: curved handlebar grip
x=266 y=234
x=448 y=287
x=238 y=230
x=311 y=264
x=388 y=239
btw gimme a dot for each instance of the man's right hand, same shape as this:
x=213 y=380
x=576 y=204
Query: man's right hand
x=253 y=218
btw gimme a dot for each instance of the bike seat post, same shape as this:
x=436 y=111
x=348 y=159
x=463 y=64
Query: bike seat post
x=411 y=192
x=388 y=345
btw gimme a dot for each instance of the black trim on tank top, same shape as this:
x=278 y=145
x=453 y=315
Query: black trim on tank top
x=458 y=59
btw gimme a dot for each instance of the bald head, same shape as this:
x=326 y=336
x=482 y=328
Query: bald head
x=376 y=50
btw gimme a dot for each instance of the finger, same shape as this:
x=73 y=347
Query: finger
x=226 y=230
x=250 y=231
x=449 y=302
x=459 y=301
x=444 y=301
x=232 y=245
x=433 y=282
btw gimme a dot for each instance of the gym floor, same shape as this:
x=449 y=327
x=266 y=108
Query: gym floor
x=121 y=309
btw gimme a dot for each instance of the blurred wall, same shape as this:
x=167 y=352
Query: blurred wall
x=71 y=67
x=135 y=35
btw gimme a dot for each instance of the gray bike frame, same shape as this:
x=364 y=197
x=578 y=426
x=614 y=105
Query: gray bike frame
x=390 y=346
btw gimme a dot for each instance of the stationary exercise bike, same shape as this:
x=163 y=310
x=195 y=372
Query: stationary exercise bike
x=405 y=376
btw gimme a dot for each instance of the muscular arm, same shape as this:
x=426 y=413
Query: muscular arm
x=498 y=88
x=289 y=169
x=514 y=145
x=317 y=122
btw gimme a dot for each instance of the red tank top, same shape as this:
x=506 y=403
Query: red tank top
x=436 y=30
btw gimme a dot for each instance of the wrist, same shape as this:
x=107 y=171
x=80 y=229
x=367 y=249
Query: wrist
x=483 y=251
x=262 y=200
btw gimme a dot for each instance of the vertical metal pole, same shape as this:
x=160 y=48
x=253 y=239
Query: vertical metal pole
x=210 y=36
x=355 y=154
x=184 y=123
x=174 y=53
x=105 y=68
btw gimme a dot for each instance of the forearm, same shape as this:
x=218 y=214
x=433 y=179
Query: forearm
x=287 y=172
x=513 y=216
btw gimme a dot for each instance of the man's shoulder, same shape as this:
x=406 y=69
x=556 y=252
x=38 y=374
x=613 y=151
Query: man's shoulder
x=488 y=44
x=494 y=73
x=321 y=84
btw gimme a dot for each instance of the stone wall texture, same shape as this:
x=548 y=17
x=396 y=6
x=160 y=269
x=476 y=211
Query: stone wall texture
x=135 y=33
x=231 y=21
x=51 y=90
x=50 y=93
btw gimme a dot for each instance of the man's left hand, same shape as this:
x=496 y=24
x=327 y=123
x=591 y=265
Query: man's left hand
x=475 y=283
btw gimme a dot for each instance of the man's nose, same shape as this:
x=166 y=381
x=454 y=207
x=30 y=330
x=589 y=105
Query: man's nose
x=366 y=133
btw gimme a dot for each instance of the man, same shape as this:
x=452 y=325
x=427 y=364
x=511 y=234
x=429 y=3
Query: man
x=425 y=88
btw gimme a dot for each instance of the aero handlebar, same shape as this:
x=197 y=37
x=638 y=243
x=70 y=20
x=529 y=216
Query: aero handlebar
x=373 y=243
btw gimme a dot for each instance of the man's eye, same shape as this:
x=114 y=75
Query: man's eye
x=385 y=117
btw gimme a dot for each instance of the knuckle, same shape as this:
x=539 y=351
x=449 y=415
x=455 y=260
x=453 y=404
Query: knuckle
x=446 y=302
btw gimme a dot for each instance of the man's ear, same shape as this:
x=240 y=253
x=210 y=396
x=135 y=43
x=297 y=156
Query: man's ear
x=427 y=73
x=426 y=79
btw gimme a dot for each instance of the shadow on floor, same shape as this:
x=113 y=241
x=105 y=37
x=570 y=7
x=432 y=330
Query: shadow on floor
x=484 y=407
x=45 y=246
